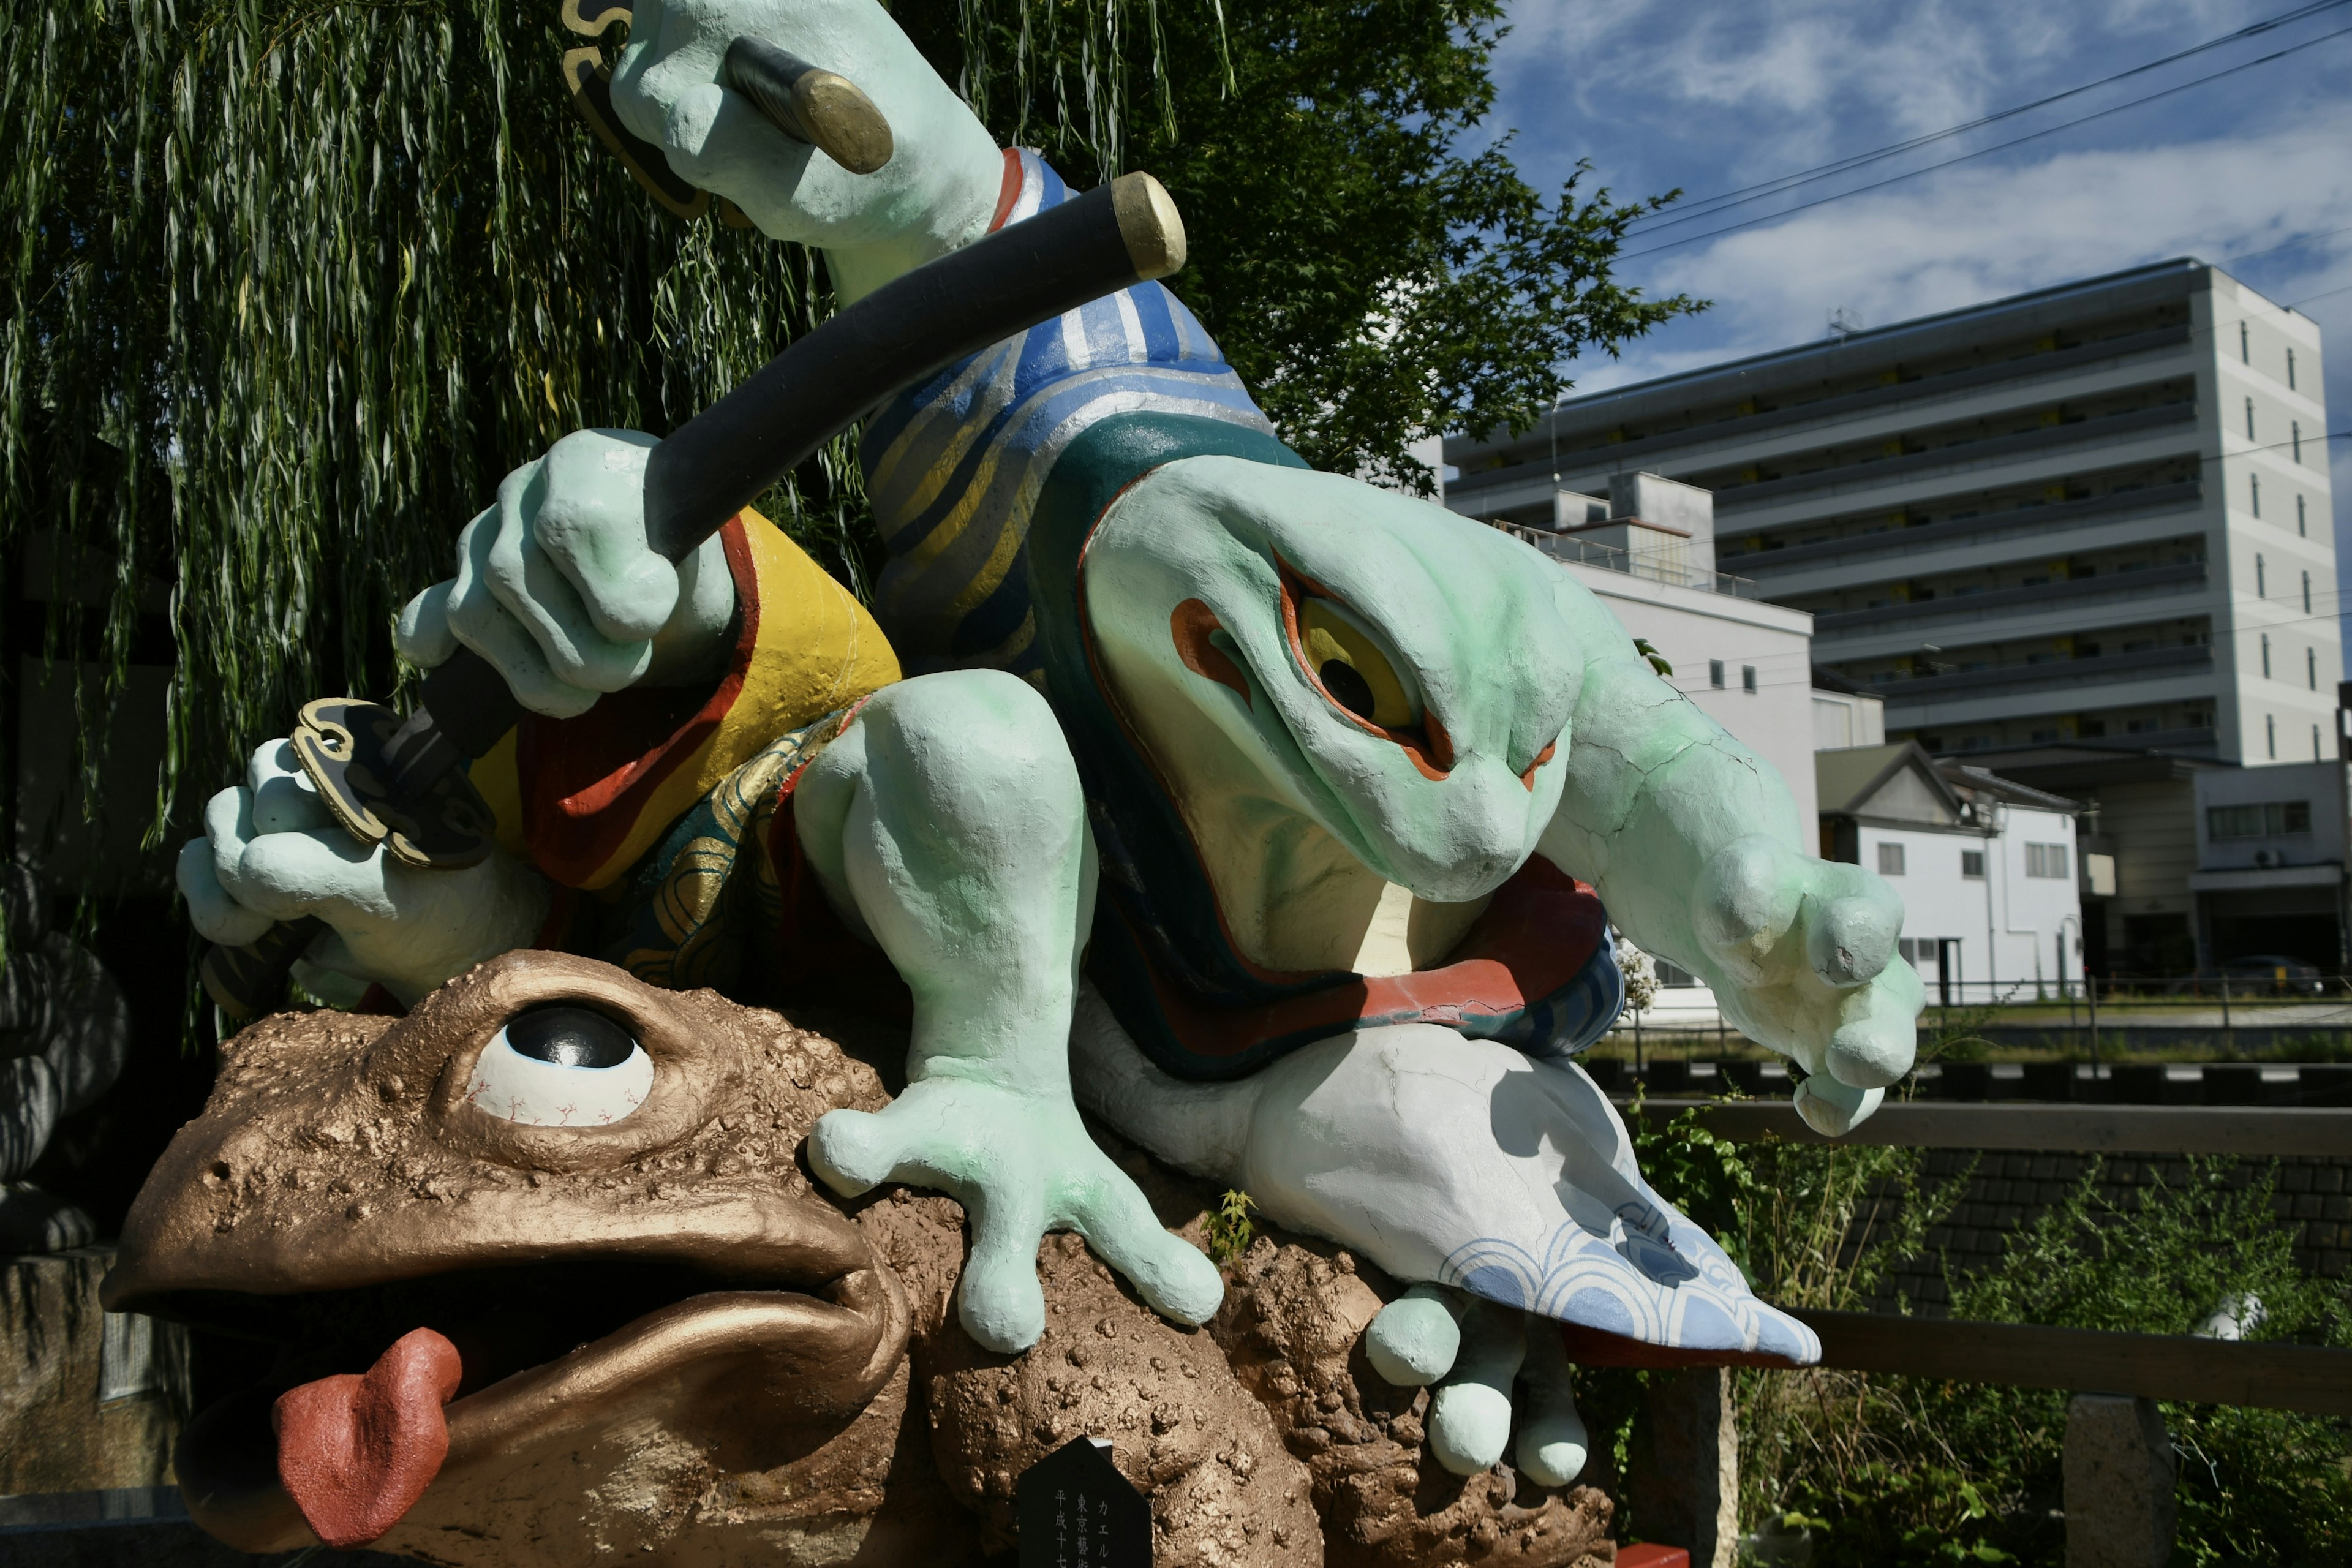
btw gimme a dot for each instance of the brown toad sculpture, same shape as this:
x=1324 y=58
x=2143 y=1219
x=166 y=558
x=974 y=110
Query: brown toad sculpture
x=518 y=1326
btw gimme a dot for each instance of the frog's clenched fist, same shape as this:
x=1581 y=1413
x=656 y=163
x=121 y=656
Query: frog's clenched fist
x=1273 y=812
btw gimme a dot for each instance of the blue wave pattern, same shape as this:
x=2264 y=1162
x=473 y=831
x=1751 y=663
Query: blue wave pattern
x=955 y=466
x=1566 y=1024
x=1655 y=1278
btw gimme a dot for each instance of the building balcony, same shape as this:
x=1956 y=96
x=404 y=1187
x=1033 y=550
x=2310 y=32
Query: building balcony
x=1928 y=536
x=2152 y=582
x=2105 y=667
x=2023 y=444
x=1904 y=401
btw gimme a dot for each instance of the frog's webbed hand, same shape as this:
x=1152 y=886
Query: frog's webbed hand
x=557 y=587
x=939 y=190
x=271 y=851
x=1693 y=844
x=1802 y=955
x=949 y=824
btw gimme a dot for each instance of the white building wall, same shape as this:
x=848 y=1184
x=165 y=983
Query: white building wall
x=1842 y=720
x=2011 y=927
x=1696 y=630
x=1938 y=900
x=2038 y=921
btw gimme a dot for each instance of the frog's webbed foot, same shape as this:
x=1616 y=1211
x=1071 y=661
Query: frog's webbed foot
x=1020 y=1165
x=947 y=823
x=1480 y=1351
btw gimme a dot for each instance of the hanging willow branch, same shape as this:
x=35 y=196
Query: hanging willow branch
x=288 y=290
x=1060 y=72
x=288 y=286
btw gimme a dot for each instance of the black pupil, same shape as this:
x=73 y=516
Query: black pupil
x=1348 y=688
x=570 y=1038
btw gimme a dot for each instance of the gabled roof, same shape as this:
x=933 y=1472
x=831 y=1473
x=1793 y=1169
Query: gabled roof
x=1984 y=781
x=1897 y=782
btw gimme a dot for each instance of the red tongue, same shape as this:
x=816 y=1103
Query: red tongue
x=356 y=1452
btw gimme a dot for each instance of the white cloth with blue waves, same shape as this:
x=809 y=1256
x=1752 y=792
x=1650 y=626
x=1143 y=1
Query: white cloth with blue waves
x=1457 y=1161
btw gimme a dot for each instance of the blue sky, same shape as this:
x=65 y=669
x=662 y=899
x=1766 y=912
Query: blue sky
x=1713 y=95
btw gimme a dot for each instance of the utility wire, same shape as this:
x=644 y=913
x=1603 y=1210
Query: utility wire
x=1981 y=151
x=1706 y=206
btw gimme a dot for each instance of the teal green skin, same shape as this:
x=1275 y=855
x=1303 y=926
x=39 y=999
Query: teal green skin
x=1693 y=843
x=948 y=824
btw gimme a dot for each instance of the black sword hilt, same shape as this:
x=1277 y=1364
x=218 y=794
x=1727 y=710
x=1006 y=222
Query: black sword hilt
x=725 y=457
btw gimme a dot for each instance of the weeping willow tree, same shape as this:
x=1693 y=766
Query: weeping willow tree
x=290 y=285
x=289 y=288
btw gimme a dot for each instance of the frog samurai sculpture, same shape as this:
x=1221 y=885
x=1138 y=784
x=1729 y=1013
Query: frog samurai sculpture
x=1279 y=820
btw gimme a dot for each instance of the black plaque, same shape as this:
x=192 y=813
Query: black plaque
x=1076 y=1510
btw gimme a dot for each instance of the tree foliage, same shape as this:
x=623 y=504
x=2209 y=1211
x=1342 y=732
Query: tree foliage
x=290 y=285
x=1375 y=273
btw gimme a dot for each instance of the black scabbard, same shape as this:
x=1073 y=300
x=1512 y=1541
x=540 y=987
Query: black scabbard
x=725 y=457
x=728 y=456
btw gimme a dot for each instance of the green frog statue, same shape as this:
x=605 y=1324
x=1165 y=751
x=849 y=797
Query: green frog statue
x=1280 y=820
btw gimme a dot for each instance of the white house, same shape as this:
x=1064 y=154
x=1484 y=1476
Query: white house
x=1985 y=867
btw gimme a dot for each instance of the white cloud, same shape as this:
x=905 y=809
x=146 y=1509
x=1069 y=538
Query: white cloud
x=1785 y=84
x=1974 y=234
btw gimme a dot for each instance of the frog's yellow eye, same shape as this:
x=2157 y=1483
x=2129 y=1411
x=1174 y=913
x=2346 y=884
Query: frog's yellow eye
x=1353 y=668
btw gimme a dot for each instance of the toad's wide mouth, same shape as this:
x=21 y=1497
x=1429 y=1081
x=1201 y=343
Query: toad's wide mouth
x=553 y=1352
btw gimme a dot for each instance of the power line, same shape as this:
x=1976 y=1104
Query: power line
x=1981 y=151
x=1706 y=206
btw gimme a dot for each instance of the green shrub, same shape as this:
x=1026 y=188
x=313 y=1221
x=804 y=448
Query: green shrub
x=1891 y=1471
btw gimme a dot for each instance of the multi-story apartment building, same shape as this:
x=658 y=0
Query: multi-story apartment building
x=2096 y=512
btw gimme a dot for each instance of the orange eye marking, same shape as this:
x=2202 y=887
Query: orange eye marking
x=1190 y=626
x=1429 y=748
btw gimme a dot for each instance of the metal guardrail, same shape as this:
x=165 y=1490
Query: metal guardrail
x=1612 y=558
x=2208 y=990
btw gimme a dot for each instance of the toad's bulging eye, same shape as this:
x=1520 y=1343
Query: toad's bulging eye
x=1353 y=667
x=561 y=1067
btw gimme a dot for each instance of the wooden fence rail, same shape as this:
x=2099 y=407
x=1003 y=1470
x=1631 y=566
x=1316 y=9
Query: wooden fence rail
x=2160 y=1366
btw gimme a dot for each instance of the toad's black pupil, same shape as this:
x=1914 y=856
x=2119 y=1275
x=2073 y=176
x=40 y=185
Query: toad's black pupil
x=1348 y=688
x=570 y=1038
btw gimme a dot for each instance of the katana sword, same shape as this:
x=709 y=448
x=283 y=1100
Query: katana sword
x=402 y=780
